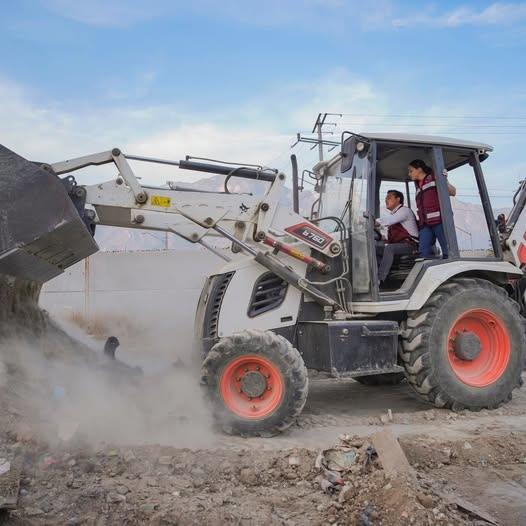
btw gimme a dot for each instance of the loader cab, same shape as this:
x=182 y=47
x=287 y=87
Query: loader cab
x=353 y=188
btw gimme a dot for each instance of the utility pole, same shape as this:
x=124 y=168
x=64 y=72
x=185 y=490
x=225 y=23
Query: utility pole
x=320 y=142
x=318 y=125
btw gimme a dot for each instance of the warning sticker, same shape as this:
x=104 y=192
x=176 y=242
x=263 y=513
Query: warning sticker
x=159 y=200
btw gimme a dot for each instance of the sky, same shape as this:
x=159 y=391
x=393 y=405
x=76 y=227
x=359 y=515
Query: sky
x=237 y=80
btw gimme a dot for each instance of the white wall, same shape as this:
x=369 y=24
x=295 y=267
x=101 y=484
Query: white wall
x=155 y=289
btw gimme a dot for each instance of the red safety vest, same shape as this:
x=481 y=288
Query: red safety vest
x=398 y=234
x=427 y=202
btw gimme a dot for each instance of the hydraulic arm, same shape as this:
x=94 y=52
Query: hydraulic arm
x=251 y=223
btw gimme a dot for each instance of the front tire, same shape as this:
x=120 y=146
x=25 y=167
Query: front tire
x=465 y=347
x=256 y=381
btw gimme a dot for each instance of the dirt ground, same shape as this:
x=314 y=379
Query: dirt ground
x=90 y=442
x=480 y=457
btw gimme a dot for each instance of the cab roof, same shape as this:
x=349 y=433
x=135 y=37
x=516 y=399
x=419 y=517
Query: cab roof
x=426 y=139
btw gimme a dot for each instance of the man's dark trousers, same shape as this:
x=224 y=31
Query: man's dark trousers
x=388 y=251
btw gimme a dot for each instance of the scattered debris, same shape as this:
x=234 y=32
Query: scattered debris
x=390 y=454
x=5 y=466
x=471 y=509
x=10 y=475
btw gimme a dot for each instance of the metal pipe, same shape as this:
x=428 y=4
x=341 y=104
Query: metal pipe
x=296 y=254
x=151 y=160
x=247 y=173
x=295 y=188
x=241 y=244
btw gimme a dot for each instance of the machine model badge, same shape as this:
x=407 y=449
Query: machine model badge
x=311 y=235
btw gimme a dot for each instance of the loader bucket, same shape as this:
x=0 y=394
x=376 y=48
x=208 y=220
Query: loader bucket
x=41 y=230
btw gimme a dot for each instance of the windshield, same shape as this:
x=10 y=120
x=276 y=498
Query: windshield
x=359 y=225
x=335 y=195
x=345 y=196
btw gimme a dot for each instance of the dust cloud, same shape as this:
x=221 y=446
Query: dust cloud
x=59 y=383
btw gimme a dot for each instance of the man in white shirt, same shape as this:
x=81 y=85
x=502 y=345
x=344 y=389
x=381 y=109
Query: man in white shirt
x=402 y=232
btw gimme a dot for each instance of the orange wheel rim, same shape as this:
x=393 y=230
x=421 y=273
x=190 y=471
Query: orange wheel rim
x=494 y=350
x=251 y=387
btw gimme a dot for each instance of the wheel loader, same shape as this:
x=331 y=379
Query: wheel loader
x=296 y=293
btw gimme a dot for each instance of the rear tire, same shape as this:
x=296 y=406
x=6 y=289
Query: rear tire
x=482 y=371
x=381 y=379
x=256 y=381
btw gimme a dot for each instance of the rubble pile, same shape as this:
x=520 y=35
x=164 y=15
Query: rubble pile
x=376 y=485
x=347 y=484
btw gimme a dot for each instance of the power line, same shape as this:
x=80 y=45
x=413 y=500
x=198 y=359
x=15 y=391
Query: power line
x=420 y=116
x=438 y=125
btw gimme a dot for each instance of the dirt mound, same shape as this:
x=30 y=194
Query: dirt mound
x=164 y=486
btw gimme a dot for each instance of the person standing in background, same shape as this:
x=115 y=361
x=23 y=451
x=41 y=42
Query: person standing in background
x=429 y=213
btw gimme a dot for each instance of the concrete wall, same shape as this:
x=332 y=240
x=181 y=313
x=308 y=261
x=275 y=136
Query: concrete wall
x=157 y=289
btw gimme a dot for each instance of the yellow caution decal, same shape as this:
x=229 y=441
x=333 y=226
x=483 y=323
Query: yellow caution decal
x=159 y=200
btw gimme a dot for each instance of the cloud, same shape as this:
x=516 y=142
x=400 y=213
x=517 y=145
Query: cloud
x=315 y=15
x=112 y=13
x=257 y=130
x=496 y=14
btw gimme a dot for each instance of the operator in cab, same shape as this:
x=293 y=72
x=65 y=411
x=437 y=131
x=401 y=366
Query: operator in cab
x=429 y=213
x=402 y=233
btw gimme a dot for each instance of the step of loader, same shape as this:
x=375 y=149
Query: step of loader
x=41 y=231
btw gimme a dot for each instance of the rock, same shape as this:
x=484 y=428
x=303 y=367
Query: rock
x=88 y=466
x=346 y=493
x=198 y=482
x=121 y=489
x=128 y=455
x=31 y=511
x=165 y=460
x=425 y=500
x=384 y=419
x=148 y=507
x=72 y=462
x=115 y=498
x=23 y=433
x=429 y=415
x=152 y=483
x=112 y=453
x=467 y=445
x=5 y=465
x=248 y=476
x=445 y=455
x=198 y=472
x=294 y=461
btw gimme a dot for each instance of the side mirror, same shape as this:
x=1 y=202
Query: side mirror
x=348 y=150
